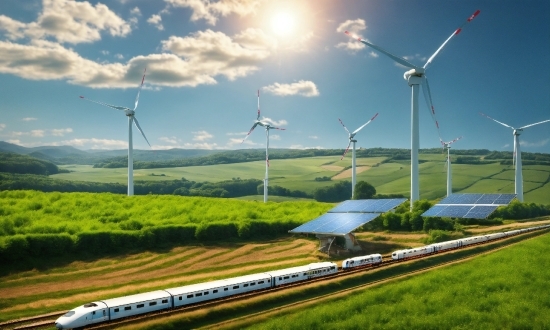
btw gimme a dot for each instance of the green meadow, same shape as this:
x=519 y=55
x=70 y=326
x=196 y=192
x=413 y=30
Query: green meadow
x=387 y=178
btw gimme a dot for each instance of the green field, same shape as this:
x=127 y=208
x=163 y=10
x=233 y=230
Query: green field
x=300 y=174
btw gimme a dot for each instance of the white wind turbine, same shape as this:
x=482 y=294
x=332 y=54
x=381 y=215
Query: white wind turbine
x=352 y=140
x=517 y=155
x=447 y=145
x=415 y=77
x=267 y=128
x=130 y=113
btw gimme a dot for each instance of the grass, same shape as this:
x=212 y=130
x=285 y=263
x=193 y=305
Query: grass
x=387 y=178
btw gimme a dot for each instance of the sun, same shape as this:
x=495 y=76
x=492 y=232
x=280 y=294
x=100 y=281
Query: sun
x=282 y=23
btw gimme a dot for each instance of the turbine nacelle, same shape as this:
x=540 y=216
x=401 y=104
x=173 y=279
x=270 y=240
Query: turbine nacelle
x=416 y=72
x=129 y=112
x=518 y=131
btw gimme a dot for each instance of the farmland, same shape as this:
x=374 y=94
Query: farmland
x=387 y=177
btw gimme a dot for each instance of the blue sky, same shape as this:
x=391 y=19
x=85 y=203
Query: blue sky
x=205 y=61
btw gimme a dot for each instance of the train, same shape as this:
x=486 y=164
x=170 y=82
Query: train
x=122 y=307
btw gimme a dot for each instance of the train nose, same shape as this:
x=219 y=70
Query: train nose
x=58 y=325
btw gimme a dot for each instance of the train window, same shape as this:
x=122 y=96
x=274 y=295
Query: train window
x=93 y=313
x=140 y=306
x=245 y=285
x=115 y=310
x=286 y=277
x=253 y=283
x=189 y=296
x=198 y=294
x=236 y=287
x=153 y=303
x=206 y=293
x=69 y=313
x=262 y=282
x=127 y=308
x=215 y=291
x=165 y=301
x=90 y=305
x=305 y=274
x=180 y=298
x=280 y=278
x=225 y=289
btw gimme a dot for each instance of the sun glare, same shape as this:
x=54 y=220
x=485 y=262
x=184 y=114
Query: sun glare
x=282 y=23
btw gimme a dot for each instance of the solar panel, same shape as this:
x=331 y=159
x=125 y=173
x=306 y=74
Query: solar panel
x=480 y=211
x=434 y=211
x=368 y=205
x=473 y=199
x=335 y=223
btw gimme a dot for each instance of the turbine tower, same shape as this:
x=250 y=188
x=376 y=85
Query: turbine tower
x=517 y=155
x=267 y=127
x=447 y=145
x=130 y=113
x=415 y=77
x=352 y=140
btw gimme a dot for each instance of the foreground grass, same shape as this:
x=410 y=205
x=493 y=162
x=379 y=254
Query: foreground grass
x=507 y=289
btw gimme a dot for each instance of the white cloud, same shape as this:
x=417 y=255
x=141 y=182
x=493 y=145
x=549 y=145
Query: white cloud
x=314 y=137
x=61 y=131
x=156 y=21
x=303 y=87
x=29 y=119
x=202 y=136
x=274 y=137
x=94 y=143
x=135 y=11
x=272 y=122
x=540 y=143
x=354 y=27
x=171 y=139
x=68 y=22
x=119 y=56
x=2 y=126
x=37 y=133
x=210 y=11
x=237 y=134
x=373 y=54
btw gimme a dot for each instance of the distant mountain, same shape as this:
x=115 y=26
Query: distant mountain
x=70 y=155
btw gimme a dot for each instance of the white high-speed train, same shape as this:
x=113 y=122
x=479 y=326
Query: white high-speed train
x=116 y=308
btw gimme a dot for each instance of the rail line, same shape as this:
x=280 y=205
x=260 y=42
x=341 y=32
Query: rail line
x=47 y=321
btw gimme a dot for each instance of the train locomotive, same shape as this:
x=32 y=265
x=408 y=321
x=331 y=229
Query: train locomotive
x=116 y=308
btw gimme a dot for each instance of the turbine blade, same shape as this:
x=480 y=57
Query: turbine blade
x=105 y=104
x=341 y=122
x=540 y=122
x=253 y=127
x=428 y=98
x=281 y=129
x=365 y=124
x=258 y=118
x=457 y=31
x=398 y=59
x=139 y=90
x=141 y=131
x=453 y=141
x=503 y=124
x=346 y=151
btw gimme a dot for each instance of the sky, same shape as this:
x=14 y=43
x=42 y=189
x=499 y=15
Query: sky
x=205 y=60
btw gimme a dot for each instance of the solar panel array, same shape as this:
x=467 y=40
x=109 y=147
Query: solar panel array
x=335 y=223
x=368 y=205
x=348 y=216
x=471 y=206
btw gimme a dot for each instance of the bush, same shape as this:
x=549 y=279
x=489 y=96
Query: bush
x=216 y=231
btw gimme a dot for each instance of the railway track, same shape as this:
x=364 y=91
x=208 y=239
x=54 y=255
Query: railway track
x=47 y=321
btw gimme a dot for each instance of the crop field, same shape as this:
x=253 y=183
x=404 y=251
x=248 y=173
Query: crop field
x=300 y=174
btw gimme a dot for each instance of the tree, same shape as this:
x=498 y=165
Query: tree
x=363 y=190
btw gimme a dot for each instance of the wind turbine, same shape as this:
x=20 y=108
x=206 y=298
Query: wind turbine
x=415 y=77
x=517 y=155
x=447 y=145
x=130 y=113
x=267 y=127
x=352 y=140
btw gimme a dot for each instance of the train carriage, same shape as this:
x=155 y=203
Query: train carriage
x=195 y=293
x=371 y=259
x=301 y=273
